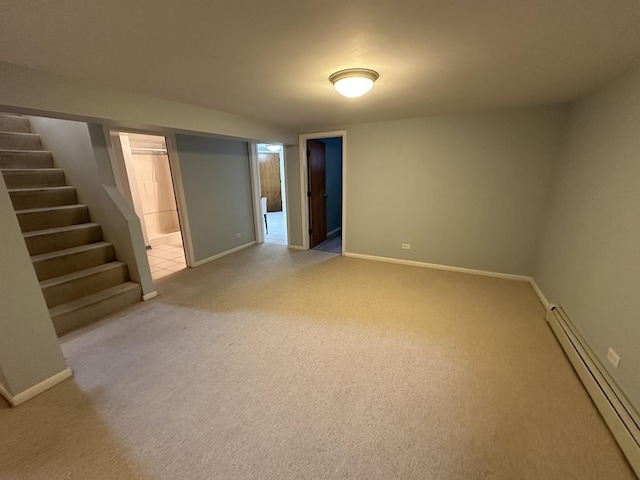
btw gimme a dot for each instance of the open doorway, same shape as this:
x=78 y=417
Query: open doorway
x=324 y=180
x=272 y=193
x=151 y=190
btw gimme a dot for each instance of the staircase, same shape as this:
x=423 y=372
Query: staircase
x=80 y=278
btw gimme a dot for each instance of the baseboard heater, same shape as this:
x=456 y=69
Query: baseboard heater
x=618 y=413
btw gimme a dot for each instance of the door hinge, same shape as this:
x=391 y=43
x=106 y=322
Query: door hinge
x=308 y=153
x=310 y=232
x=309 y=194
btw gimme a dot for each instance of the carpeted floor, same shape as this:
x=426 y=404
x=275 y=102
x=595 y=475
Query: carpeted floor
x=278 y=364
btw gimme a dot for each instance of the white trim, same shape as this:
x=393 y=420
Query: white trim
x=333 y=232
x=304 y=182
x=149 y=296
x=37 y=389
x=223 y=254
x=486 y=273
x=611 y=404
x=4 y=393
x=181 y=202
x=254 y=176
x=543 y=300
x=296 y=247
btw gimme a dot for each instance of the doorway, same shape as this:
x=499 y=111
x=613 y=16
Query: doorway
x=151 y=189
x=272 y=193
x=325 y=193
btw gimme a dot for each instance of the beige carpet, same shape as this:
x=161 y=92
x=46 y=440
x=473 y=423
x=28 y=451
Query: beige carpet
x=277 y=364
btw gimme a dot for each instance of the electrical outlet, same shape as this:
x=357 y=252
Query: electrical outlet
x=613 y=357
x=406 y=246
x=238 y=235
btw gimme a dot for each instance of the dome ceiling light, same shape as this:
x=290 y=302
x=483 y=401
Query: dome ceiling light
x=353 y=82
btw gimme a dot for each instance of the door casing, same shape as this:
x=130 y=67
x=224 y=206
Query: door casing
x=304 y=183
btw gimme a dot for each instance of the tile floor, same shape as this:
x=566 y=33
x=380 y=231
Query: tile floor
x=277 y=228
x=166 y=259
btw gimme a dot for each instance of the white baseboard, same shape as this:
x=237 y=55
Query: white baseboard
x=616 y=411
x=485 y=273
x=543 y=300
x=223 y=254
x=295 y=247
x=149 y=296
x=334 y=232
x=29 y=393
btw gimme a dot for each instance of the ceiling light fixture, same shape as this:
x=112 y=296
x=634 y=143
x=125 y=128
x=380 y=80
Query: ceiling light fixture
x=273 y=148
x=353 y=82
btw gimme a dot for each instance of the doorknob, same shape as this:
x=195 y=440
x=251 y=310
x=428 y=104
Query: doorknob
x=325 y=195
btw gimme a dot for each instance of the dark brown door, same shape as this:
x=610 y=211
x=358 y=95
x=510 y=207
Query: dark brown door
x=270 y=180
x=317 y=192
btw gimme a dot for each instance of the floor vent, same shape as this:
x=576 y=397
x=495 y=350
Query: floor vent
x=620 y=416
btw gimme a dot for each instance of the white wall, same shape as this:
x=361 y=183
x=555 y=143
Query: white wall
x=465 y=190
x=35 y=92
x=217 y=190
x=29 y=349
x=589 y=260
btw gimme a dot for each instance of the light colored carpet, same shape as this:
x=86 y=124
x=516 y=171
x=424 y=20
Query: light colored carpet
x=277 y=364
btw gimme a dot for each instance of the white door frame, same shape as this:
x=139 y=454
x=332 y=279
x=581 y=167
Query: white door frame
x=254 y=170
x=304 y=182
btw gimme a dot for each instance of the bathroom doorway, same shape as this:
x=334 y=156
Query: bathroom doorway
x=151 y=189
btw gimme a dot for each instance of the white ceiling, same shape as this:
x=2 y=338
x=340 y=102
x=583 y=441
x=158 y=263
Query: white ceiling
x=272 y=59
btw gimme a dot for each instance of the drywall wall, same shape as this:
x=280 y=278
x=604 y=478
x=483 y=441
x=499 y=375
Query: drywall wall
x=465 y=190
x=294 y=195
x=217 y=190
x=333 y=170
x=81 y=151
x=29 y=348
x=589 y=258
x=34 y=92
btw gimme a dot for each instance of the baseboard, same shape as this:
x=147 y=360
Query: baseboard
x=543 y=300
x=295 y=247
x=223 y=254
x=29 y=393
x=435 y=266
x=333 y=232
x=616 y=411
x=149 y=296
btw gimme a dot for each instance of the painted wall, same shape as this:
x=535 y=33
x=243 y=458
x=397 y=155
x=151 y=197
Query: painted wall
x=217 y=190
x=333 y=168
x=81 y=151
x=590 y=255
x=34 y=92
x=294 y=195
x=29 y=348
x=465 y=190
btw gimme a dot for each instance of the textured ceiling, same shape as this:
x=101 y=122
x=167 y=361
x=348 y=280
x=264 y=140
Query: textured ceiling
x=271 y=60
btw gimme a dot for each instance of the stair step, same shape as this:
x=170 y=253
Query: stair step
x=52 y=217
x=62 y=262
x=25 y=159
x=84 y=310
x=69 y=287
x=20 y=141
x=33 y=177
x=14 y=123
x=51 y=240
x=25 y=198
